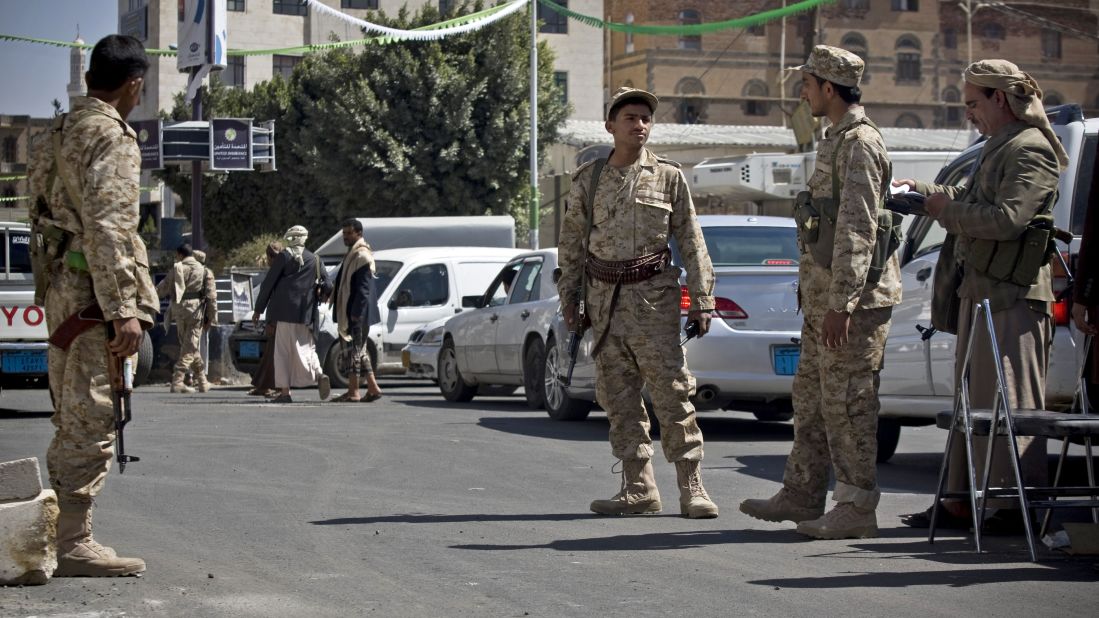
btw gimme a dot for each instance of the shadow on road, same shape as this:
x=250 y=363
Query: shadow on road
x=592 y=430
x=482 y=404
x=10 y=413
x=907 y=475
x=421 y=518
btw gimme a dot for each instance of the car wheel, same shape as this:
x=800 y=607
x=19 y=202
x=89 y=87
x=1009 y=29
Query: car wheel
x=559 y=405
x=332 y=367
x=451 y=383
x=889 y=434
x=534 y=373
x=144 y=360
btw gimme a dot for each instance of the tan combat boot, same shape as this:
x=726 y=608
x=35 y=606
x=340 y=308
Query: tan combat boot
x=780 y=507
x=79 y=555
x=202 y=385
x=845 y=521
x=638 y=496
x=694 y=502
x=177 y=384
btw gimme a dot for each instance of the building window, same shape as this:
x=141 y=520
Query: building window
x=629 y=35
x=690 y=108
x=908 y=59
x=235 y=5
x=687 y=18
x=952 y=97
x=361 y=4
x=757 y=30
x=909 y=120
x=233 y=73
x=756 y=88
x=446 y=7
x=10 y=147
x=284 y=65
x=950 y=38
x=552 y=21
x=993 y=30
x=290 y=7
x=906 y=5
x=804 y=25
x=561 y=83
x=856 y=5
x=1051 y=44
x=856 y=44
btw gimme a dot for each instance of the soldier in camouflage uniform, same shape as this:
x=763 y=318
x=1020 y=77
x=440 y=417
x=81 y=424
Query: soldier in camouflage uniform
x=632 y=298
x=835 y=391
x=193 y=305
x=87 y=172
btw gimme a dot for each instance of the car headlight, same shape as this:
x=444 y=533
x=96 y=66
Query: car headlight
x=434 y=335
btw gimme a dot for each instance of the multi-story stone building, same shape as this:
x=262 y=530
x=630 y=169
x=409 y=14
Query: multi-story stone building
x=17 y=135
x=915 y=52
x=273 y=24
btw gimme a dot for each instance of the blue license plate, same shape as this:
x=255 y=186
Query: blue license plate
x=251 y=349
x=25 y=361
x=785 y=359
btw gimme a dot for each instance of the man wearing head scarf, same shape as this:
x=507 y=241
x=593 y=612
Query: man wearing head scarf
x=847 y=290
x=987 y=221
x=289 y=295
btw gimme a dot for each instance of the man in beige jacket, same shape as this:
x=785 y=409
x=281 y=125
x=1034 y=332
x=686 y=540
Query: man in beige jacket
x=1015 y=182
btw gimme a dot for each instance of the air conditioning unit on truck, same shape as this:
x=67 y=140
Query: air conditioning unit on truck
x=773 y=180
x=23 y=332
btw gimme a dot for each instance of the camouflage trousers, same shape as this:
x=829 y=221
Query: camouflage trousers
x=836 y=407
x=189 y=332
x=642 y=348
x=80 y=454
x=355 y=354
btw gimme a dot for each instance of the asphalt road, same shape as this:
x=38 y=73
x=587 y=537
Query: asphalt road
x=412 y=506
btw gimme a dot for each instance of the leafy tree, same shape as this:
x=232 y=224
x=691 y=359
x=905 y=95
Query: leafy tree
x=412 y=128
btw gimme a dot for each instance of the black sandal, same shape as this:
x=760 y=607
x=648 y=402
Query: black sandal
x=945 y=520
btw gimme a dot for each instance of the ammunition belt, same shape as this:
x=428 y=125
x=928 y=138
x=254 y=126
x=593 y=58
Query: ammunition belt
x=628 y=271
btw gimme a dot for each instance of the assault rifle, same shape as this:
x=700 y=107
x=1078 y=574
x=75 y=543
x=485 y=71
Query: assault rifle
x=121 y=374
x=576 y=334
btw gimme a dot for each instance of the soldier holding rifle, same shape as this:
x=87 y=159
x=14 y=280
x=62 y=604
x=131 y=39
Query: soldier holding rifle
x=616 y=271
x=92 y=272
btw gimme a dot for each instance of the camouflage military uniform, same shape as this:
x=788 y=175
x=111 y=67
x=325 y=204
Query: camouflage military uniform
x=835 y=391
x=190 y=287
x=636 y=211
x=101 y=169
x=835 y=400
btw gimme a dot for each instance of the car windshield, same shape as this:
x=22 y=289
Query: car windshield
x=385 y=269
x=751 y=246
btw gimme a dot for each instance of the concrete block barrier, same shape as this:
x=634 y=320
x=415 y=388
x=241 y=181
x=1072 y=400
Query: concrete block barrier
x=28 y=525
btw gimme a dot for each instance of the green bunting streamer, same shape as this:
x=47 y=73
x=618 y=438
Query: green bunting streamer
x=688 y=29
x=300 y=49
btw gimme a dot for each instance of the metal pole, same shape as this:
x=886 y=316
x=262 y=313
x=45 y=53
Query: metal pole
x=782 y=69
x=197 y=241
x=534 y=124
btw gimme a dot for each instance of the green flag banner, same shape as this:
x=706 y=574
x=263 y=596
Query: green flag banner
x=688 y=29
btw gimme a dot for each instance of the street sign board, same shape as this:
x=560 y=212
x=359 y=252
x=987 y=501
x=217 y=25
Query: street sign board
x=231 y=144
x=149 y=142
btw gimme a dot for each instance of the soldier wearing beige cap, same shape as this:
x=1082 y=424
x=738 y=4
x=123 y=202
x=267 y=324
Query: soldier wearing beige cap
x=847 y=290
x=615 y=270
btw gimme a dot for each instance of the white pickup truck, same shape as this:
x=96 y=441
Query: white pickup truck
x=22 y=323
x=23 y=331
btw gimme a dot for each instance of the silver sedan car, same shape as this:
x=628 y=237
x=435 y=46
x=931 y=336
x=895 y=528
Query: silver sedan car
x=748 y=360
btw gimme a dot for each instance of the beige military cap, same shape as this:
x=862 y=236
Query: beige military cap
x=624 y=93
x=833 y=64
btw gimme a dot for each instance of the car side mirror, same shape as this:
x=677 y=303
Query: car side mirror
x=472 y=302
x=392 y=305
x=556 y=275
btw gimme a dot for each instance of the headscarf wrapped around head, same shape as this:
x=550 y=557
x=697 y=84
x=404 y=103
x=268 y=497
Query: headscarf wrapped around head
x=1023 y=95
x=295 y=243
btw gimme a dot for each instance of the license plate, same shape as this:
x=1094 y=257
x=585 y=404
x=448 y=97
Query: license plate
x=406 y=359
x=785 y=359
x=25 y=361
x=251 y=349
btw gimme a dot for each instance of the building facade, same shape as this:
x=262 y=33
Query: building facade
x=17 y=135
x=273 y=24
x=915 y=52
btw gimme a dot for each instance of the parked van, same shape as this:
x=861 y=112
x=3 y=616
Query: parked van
x=415 y=285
